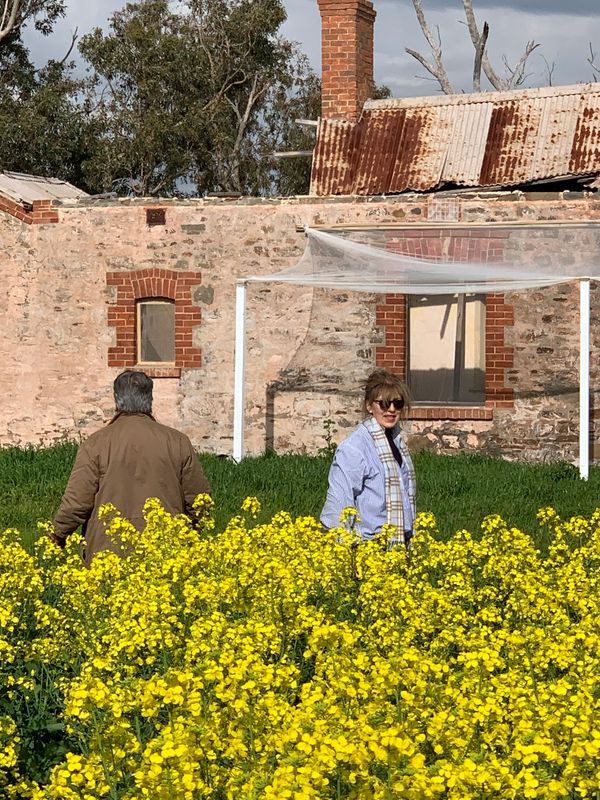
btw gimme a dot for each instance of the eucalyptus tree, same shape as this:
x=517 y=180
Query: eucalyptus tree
x=41 y=124
x=15 y=13
x=192 y=97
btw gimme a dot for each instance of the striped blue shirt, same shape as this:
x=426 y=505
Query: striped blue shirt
x=357 y=478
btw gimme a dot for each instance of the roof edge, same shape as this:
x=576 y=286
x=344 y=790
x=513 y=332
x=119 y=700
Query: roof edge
x=483 y=97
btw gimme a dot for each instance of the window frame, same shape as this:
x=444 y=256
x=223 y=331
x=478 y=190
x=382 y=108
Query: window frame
x=450 y=402
x=125 y=286
x=163 y=301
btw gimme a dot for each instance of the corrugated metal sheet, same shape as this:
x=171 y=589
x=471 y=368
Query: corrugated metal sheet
x=586 y=145
x=377 y=145
x=471 y=140
x=420 y=162
x=27 y=188
x=336 y=147
x=463 y=165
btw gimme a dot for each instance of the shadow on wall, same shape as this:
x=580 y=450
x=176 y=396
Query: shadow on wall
x=442 y=386
x=302 y=383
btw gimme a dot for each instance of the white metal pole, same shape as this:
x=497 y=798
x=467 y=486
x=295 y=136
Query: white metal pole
x=239 y=378
x=584 y=379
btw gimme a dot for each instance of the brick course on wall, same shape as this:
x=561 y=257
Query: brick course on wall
x=391 y=317
x=499 y=356
x=41 y=212
x=309 y=351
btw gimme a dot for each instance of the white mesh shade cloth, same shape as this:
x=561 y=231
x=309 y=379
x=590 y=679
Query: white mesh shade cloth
x=535 y=256
x=498 y=259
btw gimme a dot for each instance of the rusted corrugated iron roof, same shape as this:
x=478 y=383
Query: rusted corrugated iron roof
x=471 y=140
x=27 y=188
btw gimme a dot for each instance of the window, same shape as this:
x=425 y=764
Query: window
x=155 y=318
x=155 y=331
x=446 y=351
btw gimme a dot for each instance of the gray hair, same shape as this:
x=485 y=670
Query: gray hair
x=133 y=392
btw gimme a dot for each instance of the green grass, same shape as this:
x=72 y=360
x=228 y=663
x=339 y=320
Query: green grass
x=460 y=490
x=31 y=484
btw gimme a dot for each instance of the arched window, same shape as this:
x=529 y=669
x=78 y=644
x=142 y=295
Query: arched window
x=155 y=317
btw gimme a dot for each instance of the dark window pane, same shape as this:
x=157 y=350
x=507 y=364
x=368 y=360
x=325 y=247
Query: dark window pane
x=156 y=332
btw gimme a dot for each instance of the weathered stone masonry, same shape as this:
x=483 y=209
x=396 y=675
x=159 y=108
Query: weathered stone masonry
x=70 y=287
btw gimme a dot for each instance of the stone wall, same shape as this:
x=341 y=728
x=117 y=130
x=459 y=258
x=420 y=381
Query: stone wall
x=308 y=350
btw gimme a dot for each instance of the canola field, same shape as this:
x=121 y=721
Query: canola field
x=279 y=661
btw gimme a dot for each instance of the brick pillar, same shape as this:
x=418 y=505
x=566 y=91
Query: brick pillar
x=391 y=316
x=347 y=57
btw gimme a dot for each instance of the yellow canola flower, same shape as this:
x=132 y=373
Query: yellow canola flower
x=251 y=505
x=280 y=660
x=349 y=516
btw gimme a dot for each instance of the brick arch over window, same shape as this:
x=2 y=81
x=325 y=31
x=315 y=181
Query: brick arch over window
x=147 y=284
x=391 y=316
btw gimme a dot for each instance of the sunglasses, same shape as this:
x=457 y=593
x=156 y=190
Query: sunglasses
x=384 y=405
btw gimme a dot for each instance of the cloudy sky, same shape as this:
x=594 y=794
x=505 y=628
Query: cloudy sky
x=564 y=37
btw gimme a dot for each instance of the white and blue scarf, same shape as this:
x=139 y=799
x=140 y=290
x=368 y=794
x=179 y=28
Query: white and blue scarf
x=393 y=484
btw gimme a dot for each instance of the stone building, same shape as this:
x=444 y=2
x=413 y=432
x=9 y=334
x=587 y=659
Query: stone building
x=94 y=285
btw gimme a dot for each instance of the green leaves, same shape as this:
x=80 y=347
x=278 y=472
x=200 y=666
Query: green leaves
x=14 y=14
x=42 y=125
x=189 y=101
x=178 y=99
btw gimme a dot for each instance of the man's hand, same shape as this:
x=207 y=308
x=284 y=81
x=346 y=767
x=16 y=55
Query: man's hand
x=56 y=538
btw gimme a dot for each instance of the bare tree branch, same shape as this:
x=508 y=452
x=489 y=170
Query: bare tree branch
x=497 y=82
x=436 y=68
x=517 y=73
x=549 y=70
x=592 y=62
x=514 y=76
x=8 y=19
x=479 y=53
x=74 y=37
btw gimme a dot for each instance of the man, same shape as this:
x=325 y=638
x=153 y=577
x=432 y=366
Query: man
x=131 y=459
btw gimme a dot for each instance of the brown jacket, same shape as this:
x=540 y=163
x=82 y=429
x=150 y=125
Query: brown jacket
x=125 y=463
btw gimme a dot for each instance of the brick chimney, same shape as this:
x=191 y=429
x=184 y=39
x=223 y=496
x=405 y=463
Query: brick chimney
x=347 y=57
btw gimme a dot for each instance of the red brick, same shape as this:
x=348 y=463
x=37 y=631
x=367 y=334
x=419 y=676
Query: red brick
x=153 y=282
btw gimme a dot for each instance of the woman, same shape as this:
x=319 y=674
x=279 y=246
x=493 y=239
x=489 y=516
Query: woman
x=372 y=469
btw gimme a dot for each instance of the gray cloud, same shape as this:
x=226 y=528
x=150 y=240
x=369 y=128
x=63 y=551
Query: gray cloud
x=564 y=37
x=303 y=25
x=574 y=7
